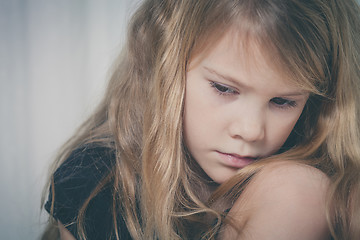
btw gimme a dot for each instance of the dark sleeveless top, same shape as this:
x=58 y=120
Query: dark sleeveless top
x=74 y=181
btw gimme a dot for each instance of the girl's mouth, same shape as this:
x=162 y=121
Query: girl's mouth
x=234 y=160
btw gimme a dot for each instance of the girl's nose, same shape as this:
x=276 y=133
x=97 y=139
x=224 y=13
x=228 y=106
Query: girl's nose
x=249 y=126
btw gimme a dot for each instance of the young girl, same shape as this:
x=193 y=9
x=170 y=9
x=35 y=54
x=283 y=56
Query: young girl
x=231 y=119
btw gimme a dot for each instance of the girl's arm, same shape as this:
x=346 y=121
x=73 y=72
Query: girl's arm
x=284 y=201
x=64 y=233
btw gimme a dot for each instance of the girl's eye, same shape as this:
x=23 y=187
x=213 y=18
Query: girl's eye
x=223 y=89
x=283 y=103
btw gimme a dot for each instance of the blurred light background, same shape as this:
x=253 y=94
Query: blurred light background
x=55 y=57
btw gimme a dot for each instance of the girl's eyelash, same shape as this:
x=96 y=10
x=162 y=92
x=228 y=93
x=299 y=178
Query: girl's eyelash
x=223 y=89
x=283 y=103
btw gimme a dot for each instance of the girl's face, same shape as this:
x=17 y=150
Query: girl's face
x=237 y=109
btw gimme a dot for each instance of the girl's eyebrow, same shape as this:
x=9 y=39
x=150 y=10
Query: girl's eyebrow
x=242 y=85
x=227 y=78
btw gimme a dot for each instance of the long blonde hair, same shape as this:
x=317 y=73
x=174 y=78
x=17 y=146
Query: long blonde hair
x=317 y=43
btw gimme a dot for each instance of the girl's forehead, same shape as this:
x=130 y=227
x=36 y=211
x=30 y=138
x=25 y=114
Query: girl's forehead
x=253 y=52
x=246 y=46
x=244 y=50
x=233 y=59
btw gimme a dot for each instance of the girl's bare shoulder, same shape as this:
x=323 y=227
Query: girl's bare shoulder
x=285 y=200
x=289 y=177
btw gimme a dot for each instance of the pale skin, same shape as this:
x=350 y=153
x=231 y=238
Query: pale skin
x=285 y=201
x=64 y=233
x=239 y=108
x=237 y=112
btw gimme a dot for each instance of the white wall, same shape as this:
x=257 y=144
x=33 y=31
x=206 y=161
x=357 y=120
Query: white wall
x=54 y=58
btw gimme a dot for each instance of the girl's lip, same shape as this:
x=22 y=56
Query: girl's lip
x=234 y=160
